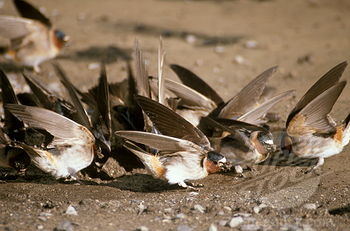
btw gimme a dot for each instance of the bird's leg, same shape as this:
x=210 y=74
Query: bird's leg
x=37 y=69
x=239 y=171
x=188 y=187
x=317 y=167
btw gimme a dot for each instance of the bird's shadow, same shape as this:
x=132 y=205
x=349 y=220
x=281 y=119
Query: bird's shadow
x=106 y=54
x=281 y=159
x=135 y=182
x=345 y=210
x=141 y=183
x=199 y=39
x=9 y=66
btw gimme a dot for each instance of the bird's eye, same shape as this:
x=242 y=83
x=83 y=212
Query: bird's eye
x=60 y=35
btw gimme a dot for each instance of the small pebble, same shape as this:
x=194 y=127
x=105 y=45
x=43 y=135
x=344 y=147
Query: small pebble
x=288 y=227
x=307 y=227
x=236 y=221
x=42 y=218
x=221 y=213
x=222 y=223
x=45 y=214
x=168 y=210
x=219 y=49
x=183 y=228
x=194 y=193
x=250 y=44
x=142 y=228
x=191 y=39
x=71 y=211
x=250 y=227
x=239 y=59
x=199 y=208
x=180 y=216
x=242 y=215
x=93 y=66
x=257 y=209
x=64 y=226
x=39 y=227
x=212 y=227
x=310 y=206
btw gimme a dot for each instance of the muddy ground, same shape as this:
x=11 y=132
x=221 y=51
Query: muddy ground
x=227 y=43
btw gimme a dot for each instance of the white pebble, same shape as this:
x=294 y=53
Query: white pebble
x=219 y=49
x=310 y=206
x=222 y=223
x=191 y=39
x=184 y=228
x=236 y=221
x=251 y=44
x=142 y=228
x=239 y=59
x=180 y=216
x=250 y=227
x=71 y=211
x=212 y=227
x=93 y=66
x=199 y=208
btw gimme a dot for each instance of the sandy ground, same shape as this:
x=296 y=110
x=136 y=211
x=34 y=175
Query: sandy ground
x=305 y=38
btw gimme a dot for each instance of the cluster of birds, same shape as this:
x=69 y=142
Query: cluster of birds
x=178 y=131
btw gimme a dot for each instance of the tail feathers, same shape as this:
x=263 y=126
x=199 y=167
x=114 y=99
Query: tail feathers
x=150 y=161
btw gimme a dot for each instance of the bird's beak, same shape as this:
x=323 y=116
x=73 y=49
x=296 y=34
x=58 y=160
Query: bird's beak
x=222 y=163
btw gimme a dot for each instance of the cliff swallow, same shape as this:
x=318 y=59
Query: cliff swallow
x=241 y=143
x=189 y=149
x=311 y=132
x=249 y=105
x=11 y=155
x=176 y=160
x=71 y=149
x=33 y=39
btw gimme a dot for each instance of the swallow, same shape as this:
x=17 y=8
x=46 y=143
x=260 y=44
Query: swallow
x=241 y=143
x=190 y=150
x=11 y=155
x=71 y=149
x=176 y=160
x=311 y=132
x=250 y=105
x=33 y=39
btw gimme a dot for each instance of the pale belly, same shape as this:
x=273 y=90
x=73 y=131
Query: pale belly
x=316 y=147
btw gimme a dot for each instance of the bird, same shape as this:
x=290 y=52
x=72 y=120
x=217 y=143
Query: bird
x=250 y=105
x=310 y=131
x=33 y=38
x=241 y=143
x=176 y=160
x=183 y=151
x=72 y=147
x=11 y=155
